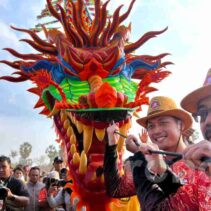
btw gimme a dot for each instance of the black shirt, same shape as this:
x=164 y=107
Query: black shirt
x=153 y=192
x=17 y=187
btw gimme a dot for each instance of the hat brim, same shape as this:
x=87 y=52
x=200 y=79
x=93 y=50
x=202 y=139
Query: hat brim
x=190 y=102
x=58 y=161
x=178 y=113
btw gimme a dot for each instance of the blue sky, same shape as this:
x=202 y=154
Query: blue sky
x=187 y=39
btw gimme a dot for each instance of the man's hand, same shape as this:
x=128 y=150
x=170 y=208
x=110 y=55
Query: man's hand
x=194 y=153
x=10 y=195
x=155 y=162
x=52 y=190
x=132 y=144
x=143 y=136
x=19 y=201
x=113 y=137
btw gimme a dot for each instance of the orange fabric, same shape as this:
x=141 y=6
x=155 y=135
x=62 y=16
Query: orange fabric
x=125 y=204
x=196 y=192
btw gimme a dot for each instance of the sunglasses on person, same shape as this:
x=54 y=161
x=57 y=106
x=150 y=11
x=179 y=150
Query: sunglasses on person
x=201 y=115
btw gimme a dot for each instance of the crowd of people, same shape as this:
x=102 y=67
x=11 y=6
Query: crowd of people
x=164 y=172
x=25 y=188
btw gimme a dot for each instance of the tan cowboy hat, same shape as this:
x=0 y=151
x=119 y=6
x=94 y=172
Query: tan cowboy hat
x=190 y=102
x=165 y=106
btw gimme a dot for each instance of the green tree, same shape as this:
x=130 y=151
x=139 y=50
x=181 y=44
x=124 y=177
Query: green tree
x=13 y=154
x=51 y=152
x=25 y=151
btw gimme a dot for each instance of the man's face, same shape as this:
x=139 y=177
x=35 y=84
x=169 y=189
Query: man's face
x=58 y=166
x=34 y=176
x=165 y=131
x=5 y=170
x=205 y=117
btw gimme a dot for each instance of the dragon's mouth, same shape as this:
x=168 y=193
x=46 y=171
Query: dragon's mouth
x=84 y=136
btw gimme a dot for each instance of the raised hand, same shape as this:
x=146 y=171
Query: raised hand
x=112 y=136
x=143 y=136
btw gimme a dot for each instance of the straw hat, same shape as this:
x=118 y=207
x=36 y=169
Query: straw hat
x=165 y=106
x=190 y=102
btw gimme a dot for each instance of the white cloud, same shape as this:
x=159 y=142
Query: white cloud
x=4 y=3
x=7 y=36
x=35 y=10
x=113 y=5
x=193 y=19
x=8 y=39
x=188 y=39
x=192 y=25
x=12 y=98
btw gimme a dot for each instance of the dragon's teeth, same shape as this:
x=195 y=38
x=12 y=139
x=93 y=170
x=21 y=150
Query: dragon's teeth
x=76 y=158
x=69 y=131
x=102 y=179
x=66 y=124
x=79 y=126
x=94 y=176
x=83 y=163
x=73 y=119
x=100 y=133
x=73 y=149
x=53 y=112
x=70 y=116
x=87 y=137
x=72 y=139
x=63 y=116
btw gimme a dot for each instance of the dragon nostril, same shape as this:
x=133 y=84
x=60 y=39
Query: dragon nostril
x=99 y=171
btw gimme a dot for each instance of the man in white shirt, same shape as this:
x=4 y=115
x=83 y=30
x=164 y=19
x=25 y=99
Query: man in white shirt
x=34 y=186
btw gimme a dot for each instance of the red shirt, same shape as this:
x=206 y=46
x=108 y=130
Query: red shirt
x=196 y=192
x=42 y=198
x=42 y=195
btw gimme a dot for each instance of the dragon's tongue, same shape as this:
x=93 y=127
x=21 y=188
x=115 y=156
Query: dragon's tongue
x=96 y=157
x=94 y=175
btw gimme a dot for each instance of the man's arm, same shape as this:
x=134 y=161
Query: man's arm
x=116 y=186
x=57 y=200
x=17 y=193
x=19 y=201
x=153 y=196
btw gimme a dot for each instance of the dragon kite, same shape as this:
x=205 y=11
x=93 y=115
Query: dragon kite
x=83 y=76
